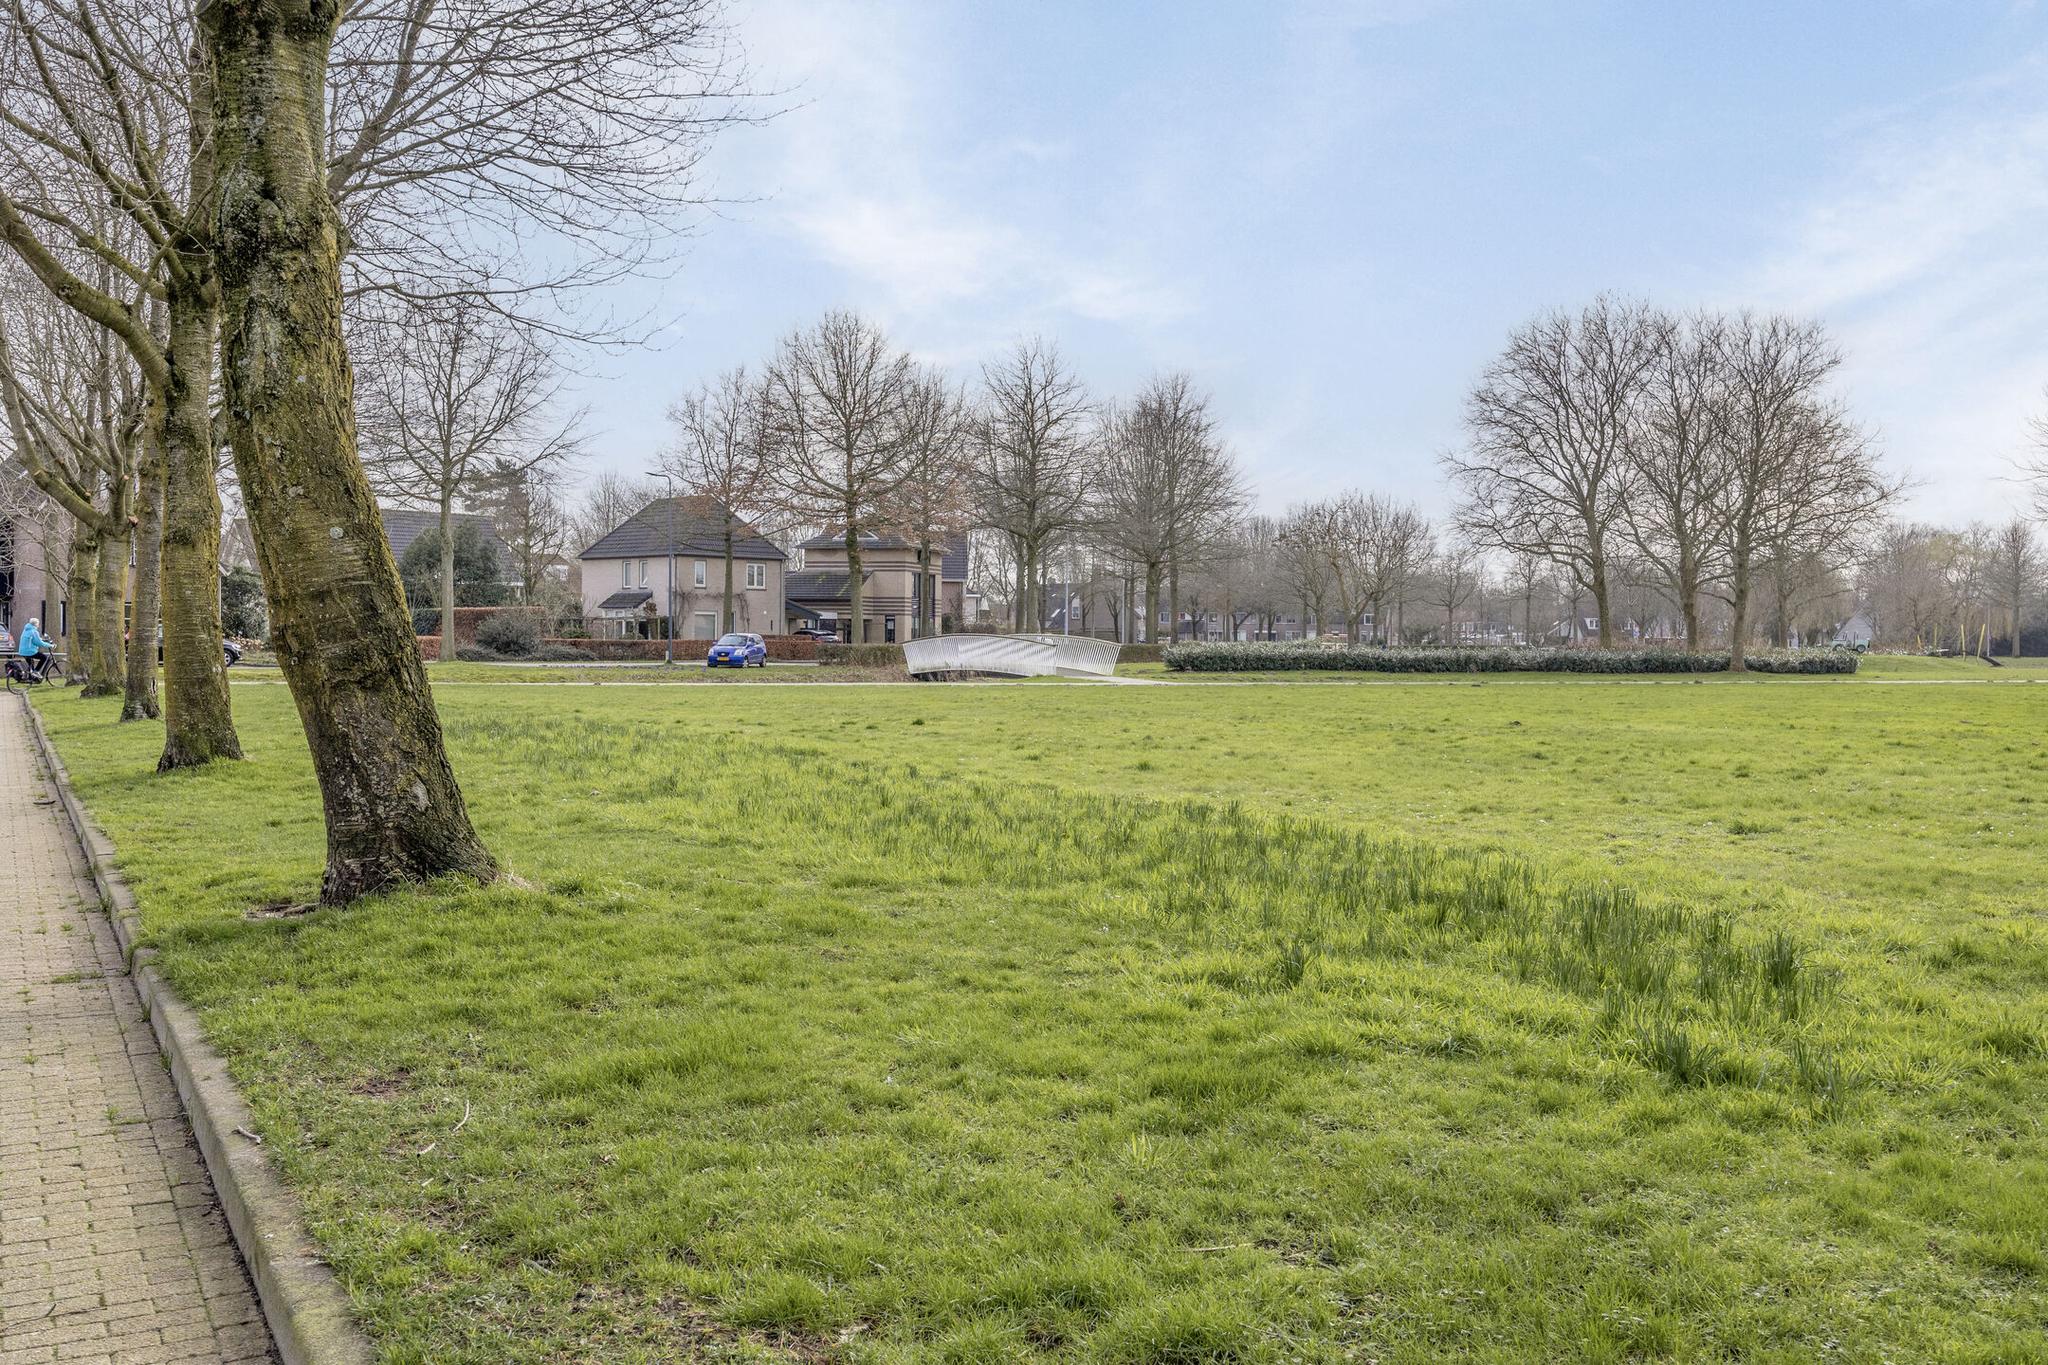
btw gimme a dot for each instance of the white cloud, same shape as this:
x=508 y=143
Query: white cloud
x=872 y=176
x=1926 y=257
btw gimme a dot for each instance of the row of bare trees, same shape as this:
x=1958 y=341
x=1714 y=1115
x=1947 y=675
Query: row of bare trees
x=1955 y=588
x=205 y=210
x=1707 y=446
x=842 y=429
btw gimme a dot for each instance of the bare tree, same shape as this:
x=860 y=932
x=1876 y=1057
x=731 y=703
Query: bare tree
x=1363 y=548
x=338 y=619
x=2016 y=564
x=73 y=409
x=933 y=506
x=1801 y=477
x=1037 y=440
x=1679 y=459
x=835 y=421
x=524 y=502
x=722 y=454
x=463 y=144
x=607 y=500
x=457 y=394
x=1167 y=492
x=517 y=154
x=104 y=108
x=1549 y=426
x=2033 y=469
x=1455 y=577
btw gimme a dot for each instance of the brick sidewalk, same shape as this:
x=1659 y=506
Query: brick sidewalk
x=112 y=1247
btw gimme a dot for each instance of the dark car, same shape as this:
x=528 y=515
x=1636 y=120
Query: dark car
x=814 y=633
x=737 y=651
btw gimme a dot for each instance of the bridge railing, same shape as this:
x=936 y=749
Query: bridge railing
x=1016 y=656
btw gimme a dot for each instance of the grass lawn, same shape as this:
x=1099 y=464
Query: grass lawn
x=1155 y=1024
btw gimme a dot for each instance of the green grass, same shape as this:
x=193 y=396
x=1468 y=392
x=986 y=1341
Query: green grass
x=1171 y=1024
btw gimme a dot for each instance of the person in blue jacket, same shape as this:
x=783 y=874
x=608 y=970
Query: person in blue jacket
x=32 y=647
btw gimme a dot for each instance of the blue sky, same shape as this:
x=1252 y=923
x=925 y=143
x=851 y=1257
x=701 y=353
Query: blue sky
x=1332 y=213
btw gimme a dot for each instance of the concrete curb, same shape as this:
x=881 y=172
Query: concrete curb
x=303 y=1304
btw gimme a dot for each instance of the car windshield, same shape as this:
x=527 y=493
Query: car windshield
x=730 y=640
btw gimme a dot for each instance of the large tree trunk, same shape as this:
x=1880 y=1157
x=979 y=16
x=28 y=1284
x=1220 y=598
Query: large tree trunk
x=394 y=813
x=109 y=582
x=198 y=723
x=1029 y=588
x=1153 y=575
x=80 y=619
x=921 y=627
x=138 y=690
x=730 y=623
x=1689 y=594
x=1598 y=586
x=858 y=630
x=447 y=571
x=1738 y=609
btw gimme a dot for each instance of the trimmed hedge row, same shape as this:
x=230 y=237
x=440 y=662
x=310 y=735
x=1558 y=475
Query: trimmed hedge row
x=547 y=653
x=784 y=647
x=1274 y=658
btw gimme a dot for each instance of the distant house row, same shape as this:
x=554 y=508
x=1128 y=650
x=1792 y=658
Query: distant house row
x=626 y=587
x=624 y=576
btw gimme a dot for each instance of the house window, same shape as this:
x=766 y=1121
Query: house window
x=625 y=573
x=700 y=573
x=643 y=573
x=757 y=575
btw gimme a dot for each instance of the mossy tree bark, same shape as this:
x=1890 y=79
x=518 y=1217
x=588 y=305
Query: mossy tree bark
x=103 y=661
x=343 y=637
x=138 y=689
x=447 y=648
x=80 y=620
x=855 y=594
x=199 y=723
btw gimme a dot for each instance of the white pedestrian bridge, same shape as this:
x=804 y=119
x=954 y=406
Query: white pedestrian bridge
x=939 y=657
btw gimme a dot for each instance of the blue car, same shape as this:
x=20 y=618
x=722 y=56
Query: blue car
x=737 y=651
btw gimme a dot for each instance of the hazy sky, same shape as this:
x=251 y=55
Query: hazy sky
x=1332 y=213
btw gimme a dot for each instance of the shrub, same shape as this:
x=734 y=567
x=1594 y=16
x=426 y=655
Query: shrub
x=553 y=653
x=868 y=656
x=476 y=654
x=1294 y=657
x=515 y=634
x=1140 y=654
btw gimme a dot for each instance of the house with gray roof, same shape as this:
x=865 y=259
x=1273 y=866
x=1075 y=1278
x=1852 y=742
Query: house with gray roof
x=894 y=591
x=626 y=585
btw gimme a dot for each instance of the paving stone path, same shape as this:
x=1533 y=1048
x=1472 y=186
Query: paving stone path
x=112 y=1245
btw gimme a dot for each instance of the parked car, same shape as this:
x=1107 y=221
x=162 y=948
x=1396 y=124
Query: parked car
x=737 y=651
x=814 y=633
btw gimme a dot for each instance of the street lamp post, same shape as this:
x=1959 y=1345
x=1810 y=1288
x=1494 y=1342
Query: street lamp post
x=668 y=649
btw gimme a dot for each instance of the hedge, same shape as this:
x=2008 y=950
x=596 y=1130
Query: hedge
x=426 y=621
x=782 y=647
x=1273 y=658
x=871 y=656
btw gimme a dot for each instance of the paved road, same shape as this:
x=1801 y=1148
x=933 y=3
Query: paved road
x=112 y=1246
